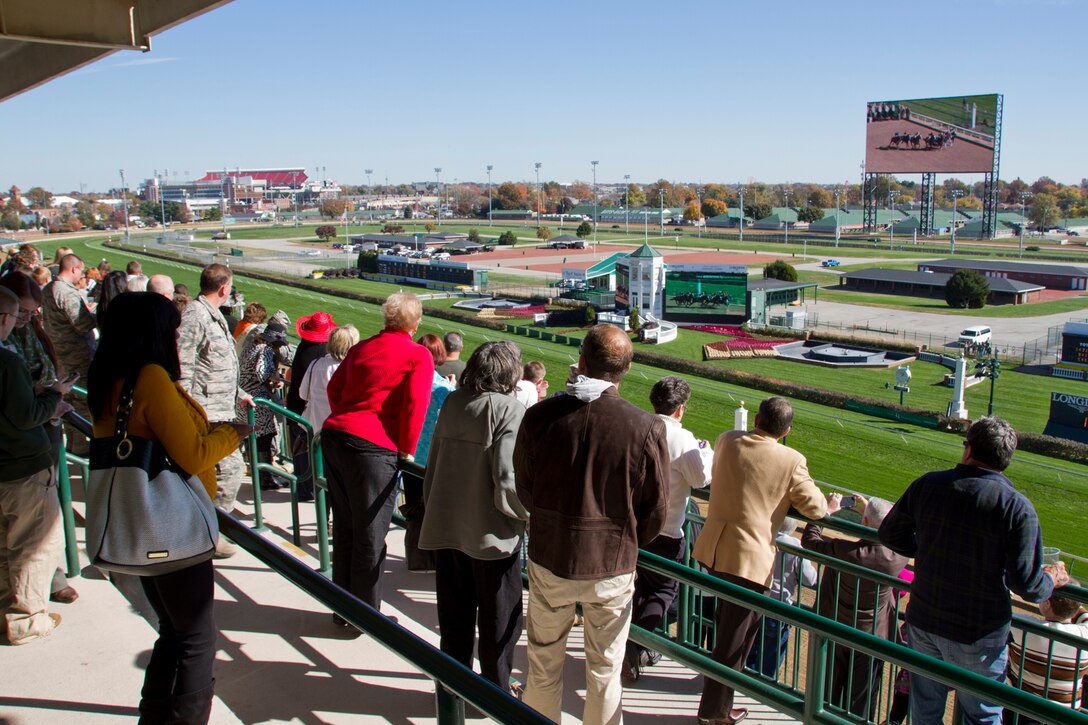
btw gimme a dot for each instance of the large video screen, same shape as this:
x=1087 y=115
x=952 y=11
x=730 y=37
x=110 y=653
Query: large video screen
x=940 y=135
x=705 y=292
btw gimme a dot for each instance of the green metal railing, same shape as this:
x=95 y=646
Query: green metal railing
x=317 y=472
x=455 y=684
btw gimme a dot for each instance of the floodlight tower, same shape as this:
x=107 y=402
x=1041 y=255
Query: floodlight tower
x=1024 y=196
x=740 y=191
x=438 y=192
x=627 y=203
x=956 y=194
x=661 y=218
x=786 y=214
x=594 y=164
x=699 y=196
x=124 y=201
x=369 y=188
x=836 y=216
x=539 y=200
x=489 y=167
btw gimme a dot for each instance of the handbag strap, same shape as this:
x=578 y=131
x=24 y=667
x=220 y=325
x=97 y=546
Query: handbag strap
x=124 y=411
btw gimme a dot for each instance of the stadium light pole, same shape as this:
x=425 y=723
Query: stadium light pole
x=124 y=201
x=785 y=215
x=162 y=205
x=740 y=190
x=538 y=197
x=438 y=192
x=489 y=167
x=1024 y=196
x=661 y=217
x=699 y=196
x=369 y=188
x=836 y=216
x=627 y=203
x=594 y=165
x=956 y=194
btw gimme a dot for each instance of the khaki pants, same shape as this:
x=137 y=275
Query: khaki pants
x=229 y=473
x=31 y=539
x=606 y=607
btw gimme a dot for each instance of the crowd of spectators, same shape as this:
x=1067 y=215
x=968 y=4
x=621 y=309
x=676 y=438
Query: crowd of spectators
x=595 y=476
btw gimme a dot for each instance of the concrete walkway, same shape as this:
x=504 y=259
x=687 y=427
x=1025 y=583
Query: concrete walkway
x=280 y=657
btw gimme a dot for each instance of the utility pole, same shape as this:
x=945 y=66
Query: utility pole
x=1024 y=196
x=489 y=167
x=699 y=221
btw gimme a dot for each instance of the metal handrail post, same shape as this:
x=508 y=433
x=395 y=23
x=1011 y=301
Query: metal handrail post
x=815 y=677
x=64 y=492
x=317 y=472
x=255 y=470
x=449 y=708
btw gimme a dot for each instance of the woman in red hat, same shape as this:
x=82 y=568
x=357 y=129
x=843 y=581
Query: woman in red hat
x=314 y=330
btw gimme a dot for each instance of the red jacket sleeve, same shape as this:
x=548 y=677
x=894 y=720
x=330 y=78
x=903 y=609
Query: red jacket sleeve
x=417 y=400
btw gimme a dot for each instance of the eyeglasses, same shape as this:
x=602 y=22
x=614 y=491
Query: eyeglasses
x=25 y=314
x=8 y=314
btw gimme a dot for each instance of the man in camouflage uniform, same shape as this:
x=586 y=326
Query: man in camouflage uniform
x=209 y=373
x=69 y=321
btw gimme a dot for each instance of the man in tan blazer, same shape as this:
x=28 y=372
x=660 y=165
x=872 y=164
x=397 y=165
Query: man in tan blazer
x=755 y=481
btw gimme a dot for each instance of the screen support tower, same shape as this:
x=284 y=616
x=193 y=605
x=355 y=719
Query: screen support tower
x=868 y=190
x=929 y=180
x=989 y=193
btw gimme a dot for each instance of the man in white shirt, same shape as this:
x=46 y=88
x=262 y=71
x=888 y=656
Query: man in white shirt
x=690 y=462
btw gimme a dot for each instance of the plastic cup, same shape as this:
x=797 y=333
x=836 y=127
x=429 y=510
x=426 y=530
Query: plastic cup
x=1051 y=555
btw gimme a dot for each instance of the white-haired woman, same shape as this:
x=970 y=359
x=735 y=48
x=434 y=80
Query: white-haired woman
x=379 y=397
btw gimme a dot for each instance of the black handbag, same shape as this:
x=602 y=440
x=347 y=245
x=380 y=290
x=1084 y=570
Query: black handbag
x=145 y=516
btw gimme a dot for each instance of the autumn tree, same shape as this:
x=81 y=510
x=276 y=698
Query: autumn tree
x=820 y=197
x=325 y=232
x=780 y=269
x=810 y=214
x=39 y=198
x=332 y=208
x=967 y=289
x=543 y=233
x=714 y=207
x=474 y=235
x=1044 y=185
x=429 y=227
x=584 y=230
x=581 y=191
x=757 y=211
x=511 y=196
x=692 y=212
x=634 y=196
x=393 y=229
x=1043 y=211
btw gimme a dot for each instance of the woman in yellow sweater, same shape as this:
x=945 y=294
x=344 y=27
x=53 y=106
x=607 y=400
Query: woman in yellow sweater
x=139 y=341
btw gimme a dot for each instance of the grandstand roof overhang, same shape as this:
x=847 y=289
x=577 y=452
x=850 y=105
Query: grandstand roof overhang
x=44 y=39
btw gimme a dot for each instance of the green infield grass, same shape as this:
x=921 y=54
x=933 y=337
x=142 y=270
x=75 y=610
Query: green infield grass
x=844 y=448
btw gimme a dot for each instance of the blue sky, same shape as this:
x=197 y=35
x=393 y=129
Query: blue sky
x=700 y=92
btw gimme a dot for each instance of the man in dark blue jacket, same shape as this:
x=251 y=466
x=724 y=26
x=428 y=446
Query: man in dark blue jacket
x=973 y=538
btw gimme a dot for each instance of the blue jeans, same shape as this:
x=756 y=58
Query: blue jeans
x=768 y=652
x=986 y=656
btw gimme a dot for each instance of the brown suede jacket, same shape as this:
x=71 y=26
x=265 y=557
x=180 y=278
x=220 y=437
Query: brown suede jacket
x=595 y=479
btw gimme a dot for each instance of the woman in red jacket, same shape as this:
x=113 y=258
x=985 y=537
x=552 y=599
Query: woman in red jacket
x=379 y=397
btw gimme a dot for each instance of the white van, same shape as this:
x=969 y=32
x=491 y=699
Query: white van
x=977 y=334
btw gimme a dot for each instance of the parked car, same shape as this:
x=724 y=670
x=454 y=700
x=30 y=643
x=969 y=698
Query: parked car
x=830 y=263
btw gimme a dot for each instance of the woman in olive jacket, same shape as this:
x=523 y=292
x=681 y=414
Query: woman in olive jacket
x=474 y=520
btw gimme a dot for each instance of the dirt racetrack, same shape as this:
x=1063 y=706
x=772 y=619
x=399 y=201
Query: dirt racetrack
x=964 y=156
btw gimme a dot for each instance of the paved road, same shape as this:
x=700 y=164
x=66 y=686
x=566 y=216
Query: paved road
x=1007 y=331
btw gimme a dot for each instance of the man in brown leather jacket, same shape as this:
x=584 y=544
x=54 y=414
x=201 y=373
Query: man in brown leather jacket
x=593 y=471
